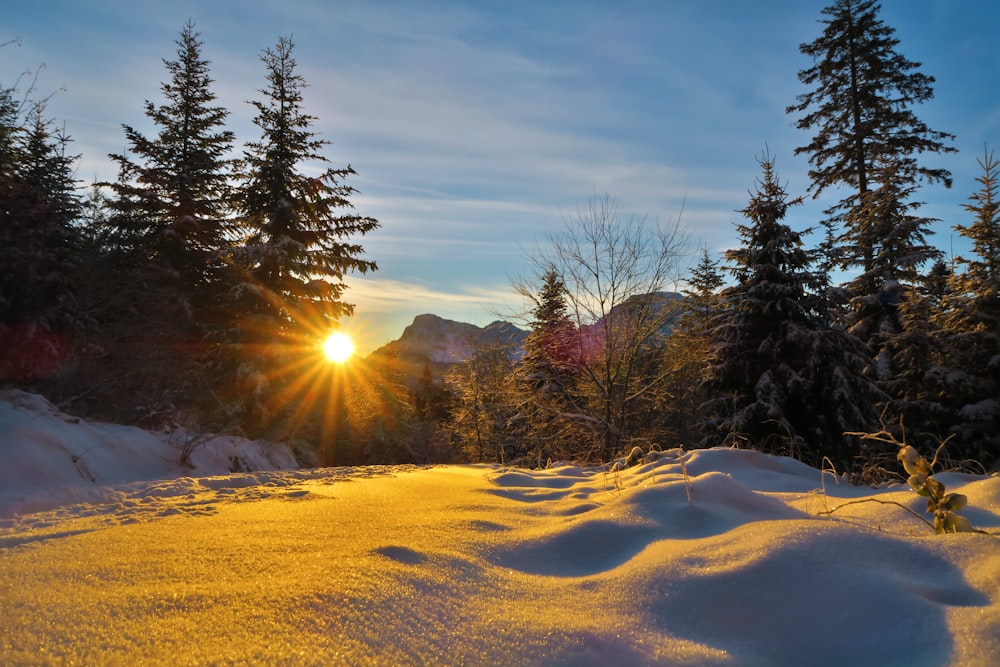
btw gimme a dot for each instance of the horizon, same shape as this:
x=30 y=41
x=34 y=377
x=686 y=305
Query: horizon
x=477 y=130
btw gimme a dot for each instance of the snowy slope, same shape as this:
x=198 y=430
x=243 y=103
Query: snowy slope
x=49 y=457
x=713 y=557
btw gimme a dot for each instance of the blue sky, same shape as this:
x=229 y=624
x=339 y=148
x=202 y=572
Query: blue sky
x=476 y=128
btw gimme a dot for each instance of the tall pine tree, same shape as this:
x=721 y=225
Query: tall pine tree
x=173 y=196
x=971 y=321
x=302 y=227
x=301 y=242
x=859 y=108
x=867 y=139
x=783 y=380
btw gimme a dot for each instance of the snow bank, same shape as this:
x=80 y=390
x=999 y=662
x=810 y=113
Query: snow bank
x=50 y=458
x=712 y=557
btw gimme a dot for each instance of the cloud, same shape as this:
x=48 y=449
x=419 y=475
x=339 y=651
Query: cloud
x=384 y=295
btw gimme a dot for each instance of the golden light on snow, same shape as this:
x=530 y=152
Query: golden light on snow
x=338 y=347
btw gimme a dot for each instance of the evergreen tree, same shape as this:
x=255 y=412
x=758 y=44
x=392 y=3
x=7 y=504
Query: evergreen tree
x=172 y=200
x=47 y=168
x=859 y=106
x=548 y=372
x=782 y=380
x=40 y=248
x=301 y=242
x=9 y=129
x=971 y=320
x=685 y=352
x=168 y=236
x=867 y=138
x=894 y=238
x=301 y=227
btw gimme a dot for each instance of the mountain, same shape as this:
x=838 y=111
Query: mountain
x=438 y=343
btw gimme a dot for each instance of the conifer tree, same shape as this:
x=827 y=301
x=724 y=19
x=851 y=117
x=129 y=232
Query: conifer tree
x=173 y=196
x=548 y=371
x=859 y=107
x=302 y=228
x=685 y=351
x=782 y=380
x=893 y=236
x=9 y=129
x=970 y=317
x=40 y=248
x=301 y=241
x=48 y=168
x=867 y=139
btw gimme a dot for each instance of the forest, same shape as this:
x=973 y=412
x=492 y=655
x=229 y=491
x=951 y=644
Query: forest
x=192 y=291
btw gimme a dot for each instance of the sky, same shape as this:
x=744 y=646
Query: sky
x=113 y=553
x=477 y=128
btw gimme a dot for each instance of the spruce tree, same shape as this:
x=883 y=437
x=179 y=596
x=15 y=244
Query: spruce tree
x=301 y=242
x=547 y=374
x=867 y=139
x=970 y=317
x=173 y=196
x=894 y=236
x=40 y=247
x=861 y=91
x=782 y=380
x=302 y=227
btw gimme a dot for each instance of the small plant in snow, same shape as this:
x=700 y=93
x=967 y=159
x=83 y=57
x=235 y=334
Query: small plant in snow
x=943 y=505
x=921 y=479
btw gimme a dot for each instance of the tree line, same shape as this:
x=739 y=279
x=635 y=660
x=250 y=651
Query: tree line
x=764 y=350
x=196 y=284
x=193 y=288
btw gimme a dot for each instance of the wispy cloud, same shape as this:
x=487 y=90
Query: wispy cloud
x=476 y=128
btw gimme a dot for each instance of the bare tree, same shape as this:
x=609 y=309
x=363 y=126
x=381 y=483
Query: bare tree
x=620 y=273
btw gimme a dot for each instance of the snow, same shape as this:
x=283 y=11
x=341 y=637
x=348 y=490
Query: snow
x=113 y=553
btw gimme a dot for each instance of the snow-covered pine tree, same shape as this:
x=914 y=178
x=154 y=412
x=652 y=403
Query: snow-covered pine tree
x=782 y=380
x=970 y=317
x=867 y=138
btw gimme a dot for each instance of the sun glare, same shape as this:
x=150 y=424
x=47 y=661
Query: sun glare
x=338 y=347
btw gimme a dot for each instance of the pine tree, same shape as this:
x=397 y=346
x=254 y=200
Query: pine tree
x=859 y=106
x=685 y=351
x=300 y=243
x=47 y=167
x=782 y=380
x=301 y=227
x=40 y=248
x=547 y=374
x=9 y=129
x=867 y=138
x=172 y=199
x=894 y=238
x=970 y=317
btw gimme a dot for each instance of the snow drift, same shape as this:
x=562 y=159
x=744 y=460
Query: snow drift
x=712 y=557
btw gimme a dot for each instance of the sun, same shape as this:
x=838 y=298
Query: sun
x=338 y=347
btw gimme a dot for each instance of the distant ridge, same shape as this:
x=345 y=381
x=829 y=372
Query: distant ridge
x=438 y=343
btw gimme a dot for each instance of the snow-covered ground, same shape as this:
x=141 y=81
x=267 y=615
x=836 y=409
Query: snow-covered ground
x=111 y=554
